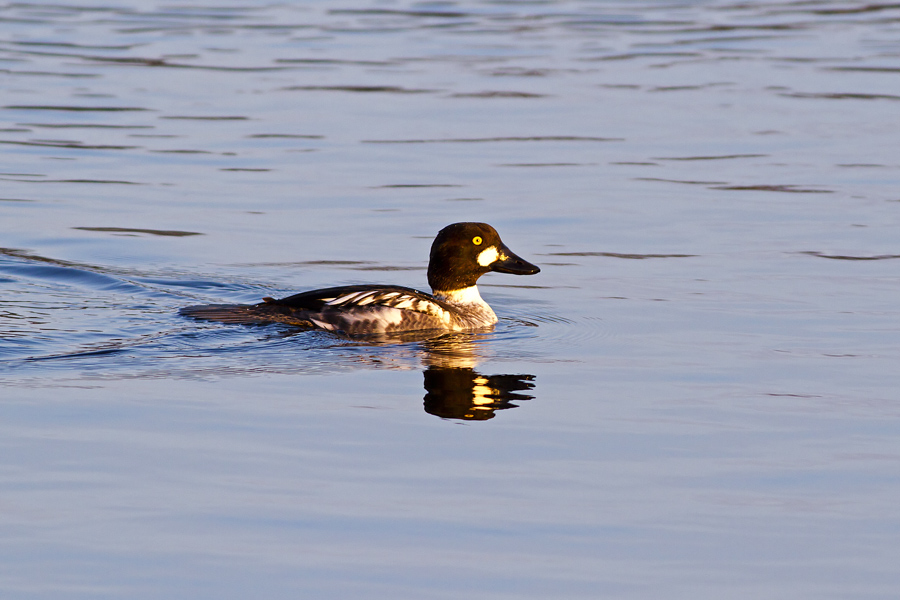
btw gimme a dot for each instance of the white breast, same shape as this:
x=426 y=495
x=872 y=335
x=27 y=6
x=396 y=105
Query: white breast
x=474 y=311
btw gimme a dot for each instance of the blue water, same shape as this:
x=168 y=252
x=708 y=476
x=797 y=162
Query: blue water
x=696 y=397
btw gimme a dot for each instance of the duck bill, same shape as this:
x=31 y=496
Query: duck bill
x=510 y=263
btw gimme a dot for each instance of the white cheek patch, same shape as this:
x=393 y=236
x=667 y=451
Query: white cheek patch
x=488 y=256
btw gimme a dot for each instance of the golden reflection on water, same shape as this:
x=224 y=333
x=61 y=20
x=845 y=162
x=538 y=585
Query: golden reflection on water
x=454 y=389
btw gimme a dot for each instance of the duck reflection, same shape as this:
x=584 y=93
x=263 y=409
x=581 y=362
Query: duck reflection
x=468 y=395
x=455 y=390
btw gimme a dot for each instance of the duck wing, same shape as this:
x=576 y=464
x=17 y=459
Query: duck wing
x=362 y=309
x=354 y=296
x=350 y=309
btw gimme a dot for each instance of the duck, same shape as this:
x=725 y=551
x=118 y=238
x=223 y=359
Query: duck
x=460 y=254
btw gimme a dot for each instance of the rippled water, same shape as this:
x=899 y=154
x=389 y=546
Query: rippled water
x=697 y=397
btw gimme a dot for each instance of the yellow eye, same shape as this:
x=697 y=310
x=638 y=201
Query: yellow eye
x=476 y=240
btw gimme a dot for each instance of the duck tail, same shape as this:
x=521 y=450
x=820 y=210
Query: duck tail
x=225 y=313
x=244 y=314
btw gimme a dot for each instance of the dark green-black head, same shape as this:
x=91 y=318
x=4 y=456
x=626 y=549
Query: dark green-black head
x=463 y=252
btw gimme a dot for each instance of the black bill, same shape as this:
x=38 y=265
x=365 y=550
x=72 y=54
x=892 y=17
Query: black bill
x=510 y=263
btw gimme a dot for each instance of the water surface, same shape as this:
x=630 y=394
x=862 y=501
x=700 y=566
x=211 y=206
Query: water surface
x=696 y=397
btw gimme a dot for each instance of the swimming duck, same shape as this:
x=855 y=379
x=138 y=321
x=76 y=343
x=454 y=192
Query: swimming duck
x=460 y=254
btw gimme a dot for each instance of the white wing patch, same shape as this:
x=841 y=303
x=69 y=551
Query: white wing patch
x=398 y=300
x=347 y=299
x=488 y=256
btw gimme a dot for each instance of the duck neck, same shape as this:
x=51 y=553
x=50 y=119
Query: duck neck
x=465 y=296
x=474 y=311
